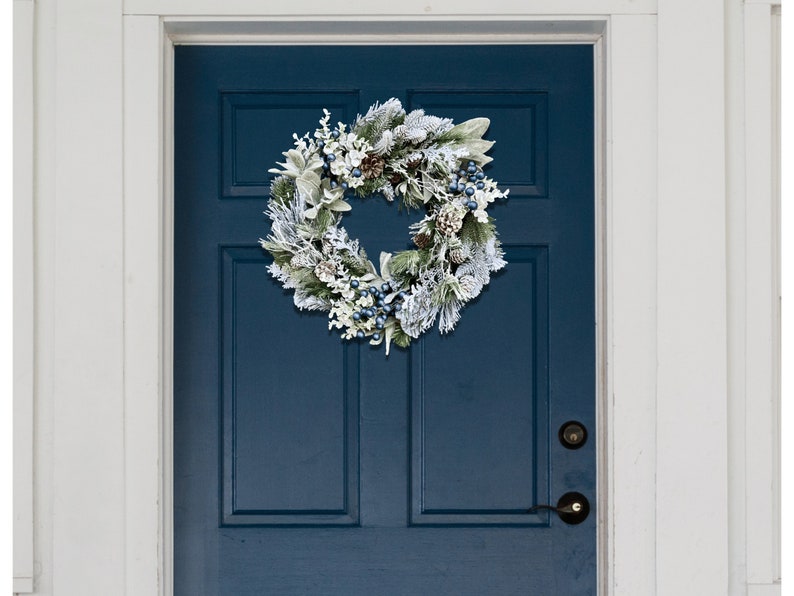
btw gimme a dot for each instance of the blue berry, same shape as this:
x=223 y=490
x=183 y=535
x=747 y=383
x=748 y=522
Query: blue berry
x=480 y=185
x=454 y=176
x=381 y=295
x=472 y=178
x=325 y=166
x=461 y=187
x=376 y=336
x=354 y=283
x=333 y=184
x=378 y=325
x=471 y=163
x=462 y=173
x=356 y=173
x=345 y=185
x=360 y=334
x=373 y=290
x=387 y=309
x=480 y=175
x=363 y=293
x=370 y=312
x=472 y=205
x=453 y=187
x=356 y=316
x=380 y=302
x=469 y=191
x=401 y=295
x=335 y=134
x=330 y=157
x=385 y=287
x=321 y=144
x=472 y=169
x=397 y=308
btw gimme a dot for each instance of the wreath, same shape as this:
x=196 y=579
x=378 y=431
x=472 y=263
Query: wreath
x=425 y=162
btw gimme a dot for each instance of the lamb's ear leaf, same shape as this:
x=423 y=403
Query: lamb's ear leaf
x=477 y=145
x=480 y=159
x=340 y=205
x=471 y=129
x=296 y=157
x=385 y=272
x=308 y=187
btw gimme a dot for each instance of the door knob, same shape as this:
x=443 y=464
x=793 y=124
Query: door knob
x=572 y=508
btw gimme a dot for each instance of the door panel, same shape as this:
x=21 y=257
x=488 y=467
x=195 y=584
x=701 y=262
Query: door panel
x=308 y=465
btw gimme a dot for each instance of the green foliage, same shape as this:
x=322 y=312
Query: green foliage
x=370 y=187
x=476 y=232
x=449 y=289
x=406 y=264
x=400 y=337
x=324 y=220
x=282 y=190
x=306 y=279
x=374 y=129
x=354 y=265
x=281 y=257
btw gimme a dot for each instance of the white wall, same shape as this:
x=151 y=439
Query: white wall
x=703 y=432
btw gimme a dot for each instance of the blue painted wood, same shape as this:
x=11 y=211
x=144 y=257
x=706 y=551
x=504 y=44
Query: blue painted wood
x=305 y=465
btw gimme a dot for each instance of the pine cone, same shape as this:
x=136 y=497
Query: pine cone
x=414 y=163
x=422 y=240
x=395 y=179
x=325 y=271
x=449 y=221
x=372 y=166
x=458 y=255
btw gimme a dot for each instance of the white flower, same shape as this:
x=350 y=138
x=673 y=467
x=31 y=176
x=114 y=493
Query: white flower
x=354 y=157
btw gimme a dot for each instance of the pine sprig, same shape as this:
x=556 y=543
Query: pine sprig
x=476 y=232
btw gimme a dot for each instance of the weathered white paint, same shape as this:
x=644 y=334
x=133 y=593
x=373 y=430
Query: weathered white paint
x=691 y=422
x=752 y=299
x=631 y=319
x=387 y=11
x=143 y=301
x=102 y=269
x=762 y=297
x=88 y=500
x=24 y=16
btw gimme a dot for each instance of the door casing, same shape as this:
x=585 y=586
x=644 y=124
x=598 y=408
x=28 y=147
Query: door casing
x=148 y=229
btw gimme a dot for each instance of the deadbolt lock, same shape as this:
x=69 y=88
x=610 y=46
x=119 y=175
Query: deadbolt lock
x=573 y=434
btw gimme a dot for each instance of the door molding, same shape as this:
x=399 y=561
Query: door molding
x=625 y=362
x=626 y=256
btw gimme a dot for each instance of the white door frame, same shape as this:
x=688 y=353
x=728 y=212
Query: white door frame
x=687 y=277
x=148 y=239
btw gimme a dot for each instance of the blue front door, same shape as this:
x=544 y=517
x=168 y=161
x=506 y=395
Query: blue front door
x=304 y=464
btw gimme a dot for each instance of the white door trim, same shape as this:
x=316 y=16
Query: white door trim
x=626 y=270
x=690 y=283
